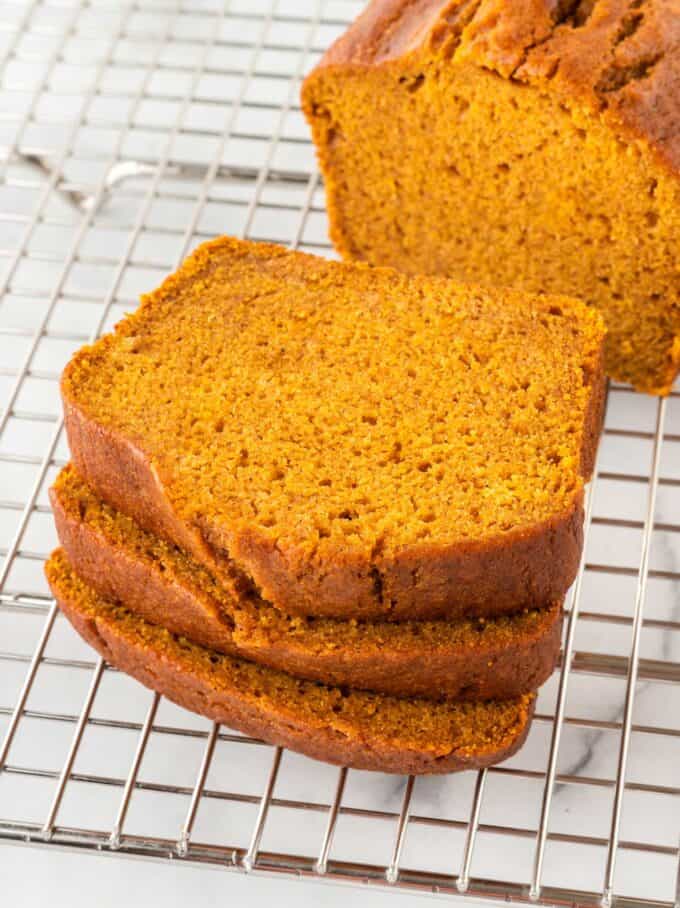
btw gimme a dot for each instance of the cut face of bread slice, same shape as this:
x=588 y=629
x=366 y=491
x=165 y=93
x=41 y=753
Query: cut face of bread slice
x=527 y=144
x=338 y=725
x=347 y=441
x=471 y=659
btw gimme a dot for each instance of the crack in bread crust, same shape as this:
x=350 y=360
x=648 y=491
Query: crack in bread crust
x=527 y=90
x=502 y=35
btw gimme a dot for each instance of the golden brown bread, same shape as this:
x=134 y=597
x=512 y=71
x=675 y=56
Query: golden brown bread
x=619 y=57
x=472 y=659
x=528 y=143
x=361 y=730
x=347 y=441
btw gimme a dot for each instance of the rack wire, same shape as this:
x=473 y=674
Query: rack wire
x=129 y=132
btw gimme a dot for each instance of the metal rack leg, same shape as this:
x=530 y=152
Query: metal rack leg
x=608 y=890
x=130 y=782
x=250 y=856
x=463 y=880
x=185 y=835
x=392 y=872
x=322 y=862
x=558 y=724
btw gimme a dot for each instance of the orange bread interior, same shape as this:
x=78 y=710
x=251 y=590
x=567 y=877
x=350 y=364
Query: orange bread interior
x=328 y=413
x=516 y=143
x=340 y=725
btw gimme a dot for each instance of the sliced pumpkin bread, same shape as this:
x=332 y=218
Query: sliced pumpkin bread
x=474 y=658
x=338 y=725
x=348 y=441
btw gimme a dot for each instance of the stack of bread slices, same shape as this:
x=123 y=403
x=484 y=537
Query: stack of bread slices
x=332 y=506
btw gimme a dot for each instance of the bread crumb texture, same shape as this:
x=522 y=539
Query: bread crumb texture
x=526 y=143
x=255 y=623
x=334 y=409
x=472 y=729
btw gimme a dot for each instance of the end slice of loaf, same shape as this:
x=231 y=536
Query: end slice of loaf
x=362 y=730
x=470 y=659
x=524 y=143
x=348 y=441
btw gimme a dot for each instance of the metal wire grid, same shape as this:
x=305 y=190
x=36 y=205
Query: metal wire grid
x=129 y=133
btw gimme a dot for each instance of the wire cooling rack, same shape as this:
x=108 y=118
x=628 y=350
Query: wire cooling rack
x=129 y=132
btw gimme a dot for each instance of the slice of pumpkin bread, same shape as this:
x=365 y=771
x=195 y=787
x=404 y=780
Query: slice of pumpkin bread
x=338 y=725
x=525 y=143
x=348 y=441
x=471 y=659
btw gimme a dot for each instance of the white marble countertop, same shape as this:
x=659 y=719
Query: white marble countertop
x=30 y=876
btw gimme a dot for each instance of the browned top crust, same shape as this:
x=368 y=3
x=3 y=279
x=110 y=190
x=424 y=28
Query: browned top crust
x=617 y=58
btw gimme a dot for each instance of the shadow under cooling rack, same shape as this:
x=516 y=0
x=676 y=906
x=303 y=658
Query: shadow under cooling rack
x=130 y=132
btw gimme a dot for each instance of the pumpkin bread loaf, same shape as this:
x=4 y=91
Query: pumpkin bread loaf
x=347 y=441
x=471 y=659
x=338 y=725
x=527 y=143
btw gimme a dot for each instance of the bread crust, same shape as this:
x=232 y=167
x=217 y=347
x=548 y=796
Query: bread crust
x=617 y=58
x=610 y=67
x=450 y=670
x=523 y=567
x=594 y=416
x=168 y=672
